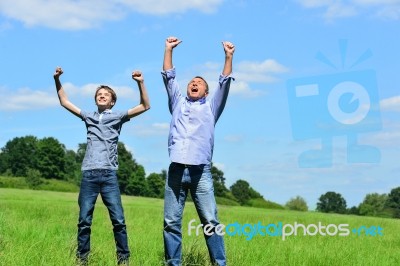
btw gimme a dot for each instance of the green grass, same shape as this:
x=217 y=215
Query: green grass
x=39 y=228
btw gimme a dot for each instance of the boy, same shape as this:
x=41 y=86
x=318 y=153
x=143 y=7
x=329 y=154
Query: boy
x=100 y=164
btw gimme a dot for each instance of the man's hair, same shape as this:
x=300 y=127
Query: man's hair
x=204 y=82
x=113 y=94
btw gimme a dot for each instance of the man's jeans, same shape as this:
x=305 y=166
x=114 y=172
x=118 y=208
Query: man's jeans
x=105 y=182
x=199 y=181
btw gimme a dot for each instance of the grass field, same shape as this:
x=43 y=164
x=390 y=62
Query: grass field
x=39 y=228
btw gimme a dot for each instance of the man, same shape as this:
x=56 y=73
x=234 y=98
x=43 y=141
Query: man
x=190 y=146
x=100 y=164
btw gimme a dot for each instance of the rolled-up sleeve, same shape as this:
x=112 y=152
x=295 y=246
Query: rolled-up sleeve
x=172 y=87
x=220 y=96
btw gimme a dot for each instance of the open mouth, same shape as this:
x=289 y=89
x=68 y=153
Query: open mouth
x=194 y=90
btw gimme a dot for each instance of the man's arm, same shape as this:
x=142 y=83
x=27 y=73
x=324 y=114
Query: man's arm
x=62 y=96
x=170 y=44
x=221 y=94
x=169 y=73
x=144 y=98
x=229 y=49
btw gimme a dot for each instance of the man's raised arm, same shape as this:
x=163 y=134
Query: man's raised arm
x=170 y=44
x=229 y=49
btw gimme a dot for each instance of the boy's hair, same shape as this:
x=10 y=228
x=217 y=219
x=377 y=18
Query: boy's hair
x=204 y=82
x=113 y=94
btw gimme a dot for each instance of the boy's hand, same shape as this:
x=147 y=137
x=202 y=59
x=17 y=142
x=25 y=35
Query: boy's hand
x=172 y=42
x=138 y=76
x=229 y=48
x=58 y=72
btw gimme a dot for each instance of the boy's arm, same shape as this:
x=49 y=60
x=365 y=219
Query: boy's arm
x=62 y=96
x=144 y=98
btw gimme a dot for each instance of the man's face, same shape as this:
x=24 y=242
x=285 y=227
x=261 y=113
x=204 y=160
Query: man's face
x=104 y=99
x=197 y=89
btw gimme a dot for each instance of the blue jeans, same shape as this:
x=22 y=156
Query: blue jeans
x=105 y=182
x=199 y=181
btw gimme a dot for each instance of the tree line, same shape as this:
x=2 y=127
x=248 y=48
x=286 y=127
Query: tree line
x=47 y=158
x=374 y=204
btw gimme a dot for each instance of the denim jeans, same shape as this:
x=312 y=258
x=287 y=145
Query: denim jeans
x=105 y=182
x=199 y=181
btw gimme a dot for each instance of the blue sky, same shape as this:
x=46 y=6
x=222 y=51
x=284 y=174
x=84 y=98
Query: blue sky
x=102 y=42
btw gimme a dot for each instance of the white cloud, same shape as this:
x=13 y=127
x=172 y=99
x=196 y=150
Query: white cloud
x=262 y=72
x=62 y=14
x=157 y=7
x=29 y=99
x=233 y=138
x=243 y=89
x=245 y=73
x=387 y=9
x=220 y=166
x=391 y=104
x=156 y=129
x=85 y=14
x=25 y=99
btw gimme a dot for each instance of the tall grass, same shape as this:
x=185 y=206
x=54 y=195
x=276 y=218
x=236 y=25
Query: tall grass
x=39 y=228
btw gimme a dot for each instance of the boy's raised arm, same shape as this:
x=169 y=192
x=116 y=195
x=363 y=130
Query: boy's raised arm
x=144 y=98
x=62 y=96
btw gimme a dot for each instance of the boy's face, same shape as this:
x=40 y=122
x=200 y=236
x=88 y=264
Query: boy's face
x=197 y=89
x=104 y=99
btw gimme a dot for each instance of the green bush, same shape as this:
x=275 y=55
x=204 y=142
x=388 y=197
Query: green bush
x=45 y=184
x=13 y=182
x=226 y=201
x=266 y=204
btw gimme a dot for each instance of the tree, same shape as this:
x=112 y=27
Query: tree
x=353 y=210
x=331 y=202
x=127 y=167
x=72 y=167
x=393 y=202
x=20 y=154
x=373 y=204
x=240 y=189
x=297 y=204
x=156 y=185
x=219 y=182
x=51 y=158
x=33 y=178
x=3 y=163
x=137 y=184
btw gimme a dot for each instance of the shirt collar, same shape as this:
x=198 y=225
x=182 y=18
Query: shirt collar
x=201 y=100
x=107 y=111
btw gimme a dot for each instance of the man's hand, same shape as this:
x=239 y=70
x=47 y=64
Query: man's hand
x=58 y=72
x=138 y=76
x=172 y=42
x=229 y=48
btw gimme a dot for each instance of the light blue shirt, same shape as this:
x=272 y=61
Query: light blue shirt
x=103 y=131
x=191 y=134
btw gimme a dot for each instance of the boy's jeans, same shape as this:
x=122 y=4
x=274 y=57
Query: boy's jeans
x=105 y=182
x=198 y=179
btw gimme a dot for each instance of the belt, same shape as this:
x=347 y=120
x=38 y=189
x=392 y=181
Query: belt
x=183 y=165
